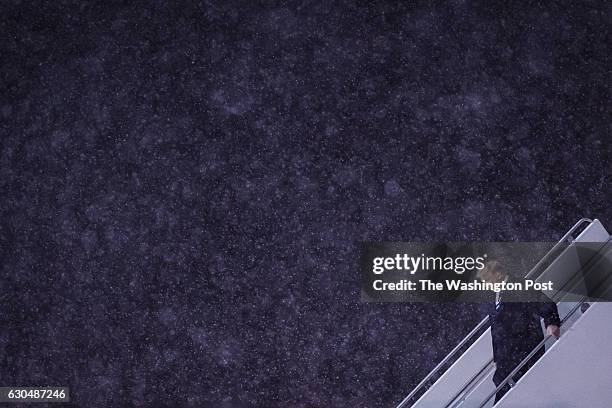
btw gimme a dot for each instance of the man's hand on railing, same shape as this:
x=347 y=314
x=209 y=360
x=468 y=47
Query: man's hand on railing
x=553 y=330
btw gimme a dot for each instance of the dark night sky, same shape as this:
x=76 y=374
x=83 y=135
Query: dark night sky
x=183 y=188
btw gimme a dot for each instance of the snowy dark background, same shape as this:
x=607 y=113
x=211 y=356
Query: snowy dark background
x=183 y=187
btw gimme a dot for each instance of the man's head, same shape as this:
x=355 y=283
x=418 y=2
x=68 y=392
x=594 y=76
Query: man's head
x=492 y=272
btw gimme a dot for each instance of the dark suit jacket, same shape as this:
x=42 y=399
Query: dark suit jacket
x=516 y=330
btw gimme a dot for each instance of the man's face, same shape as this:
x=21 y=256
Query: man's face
x=492 y=276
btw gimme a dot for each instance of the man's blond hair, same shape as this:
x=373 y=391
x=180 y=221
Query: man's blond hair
x=490 y=268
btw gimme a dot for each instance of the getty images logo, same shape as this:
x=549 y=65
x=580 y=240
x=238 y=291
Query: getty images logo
x=412 y=264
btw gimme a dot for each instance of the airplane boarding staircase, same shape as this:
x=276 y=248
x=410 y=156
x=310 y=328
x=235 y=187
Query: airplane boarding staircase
x=575 y=371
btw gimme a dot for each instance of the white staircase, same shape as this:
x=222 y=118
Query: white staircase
x=576 y=370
